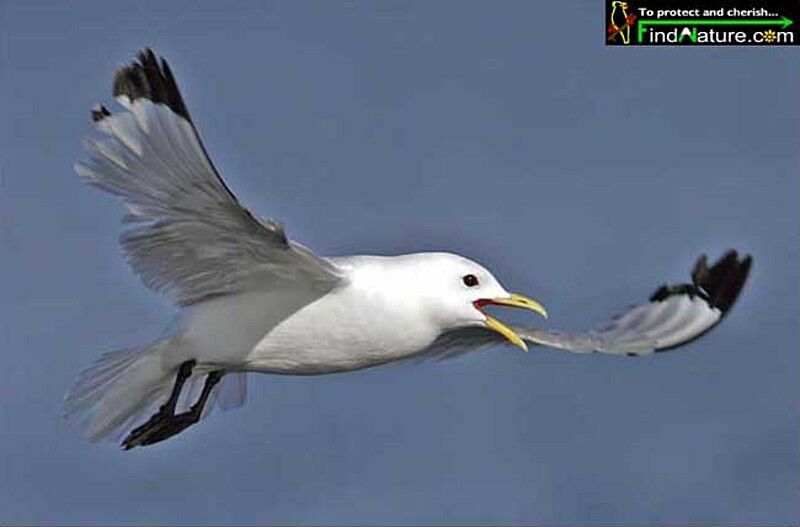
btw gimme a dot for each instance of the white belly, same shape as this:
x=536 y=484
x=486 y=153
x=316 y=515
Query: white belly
x=344 y=330
x=374 y=316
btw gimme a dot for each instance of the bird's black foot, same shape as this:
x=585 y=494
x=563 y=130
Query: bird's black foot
x=153 y=427
x=159 y=428
x=164 y=423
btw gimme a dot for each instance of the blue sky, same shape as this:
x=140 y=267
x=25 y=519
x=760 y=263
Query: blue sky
x=506 y=132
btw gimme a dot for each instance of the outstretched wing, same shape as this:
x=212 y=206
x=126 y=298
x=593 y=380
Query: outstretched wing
x=674 y=315
x=189 y=236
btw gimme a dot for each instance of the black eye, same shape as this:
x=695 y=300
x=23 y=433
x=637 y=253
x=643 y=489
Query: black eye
x=470 y=280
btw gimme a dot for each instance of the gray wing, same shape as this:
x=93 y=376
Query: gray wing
x=188 y=236
x=674 y=315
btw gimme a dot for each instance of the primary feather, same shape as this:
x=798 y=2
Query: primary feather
x=188 y=236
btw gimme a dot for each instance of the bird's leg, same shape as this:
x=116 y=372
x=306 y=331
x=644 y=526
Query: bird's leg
x=178 y=423
x=165 y=412
x=164 y=425
x=184 y=372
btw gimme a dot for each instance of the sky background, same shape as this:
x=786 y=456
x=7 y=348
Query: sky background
x=505 y=131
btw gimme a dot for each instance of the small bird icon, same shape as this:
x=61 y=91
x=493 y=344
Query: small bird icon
x=620 y=21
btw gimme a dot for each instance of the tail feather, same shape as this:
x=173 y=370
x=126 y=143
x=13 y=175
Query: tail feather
x=91 y=382
x=115 y=390
x=123 y=388
x=232 y=391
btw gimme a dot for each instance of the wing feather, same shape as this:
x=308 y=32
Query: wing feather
x=674 y=316
x=188 y=235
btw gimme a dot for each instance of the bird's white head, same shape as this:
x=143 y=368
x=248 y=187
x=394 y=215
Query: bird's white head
x=452 y=291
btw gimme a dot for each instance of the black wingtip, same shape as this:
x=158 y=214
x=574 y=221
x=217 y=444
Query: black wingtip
x=99 y=113
x=700 y=271
x=151 y=79
x=725 y=279
x=719 y=285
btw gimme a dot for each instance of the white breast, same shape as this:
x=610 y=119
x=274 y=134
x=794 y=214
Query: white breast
x=352 y=327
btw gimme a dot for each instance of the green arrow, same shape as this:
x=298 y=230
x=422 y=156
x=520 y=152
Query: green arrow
x=783 y=22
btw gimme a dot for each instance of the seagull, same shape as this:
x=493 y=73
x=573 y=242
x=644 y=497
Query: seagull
x=251 y=299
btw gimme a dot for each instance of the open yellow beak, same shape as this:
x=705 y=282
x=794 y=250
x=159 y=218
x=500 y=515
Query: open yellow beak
x=514 y=300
